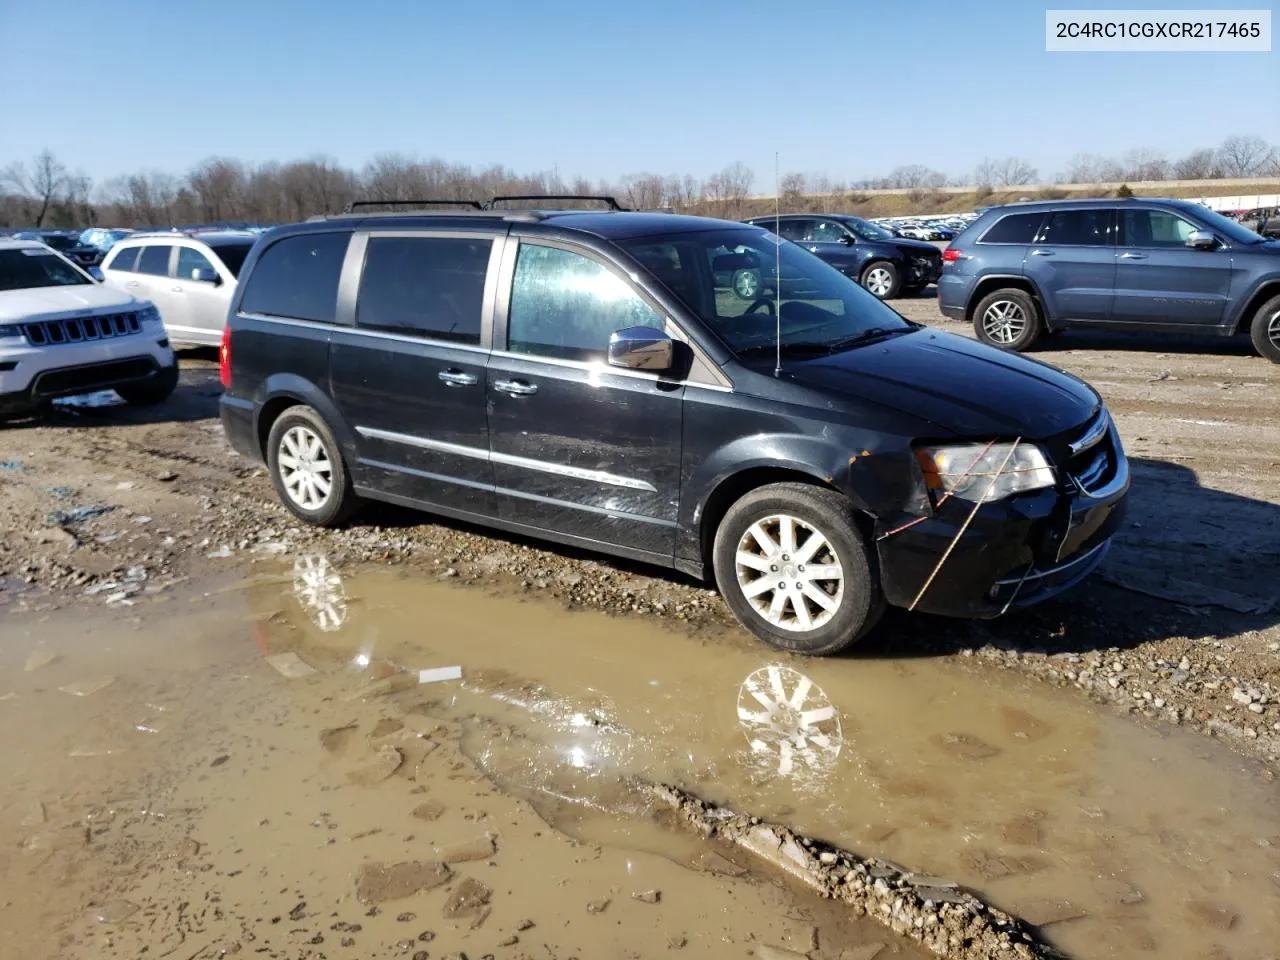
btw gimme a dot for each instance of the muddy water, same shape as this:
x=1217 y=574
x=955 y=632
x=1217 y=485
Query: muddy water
x=1121 y=840
x=238 y=773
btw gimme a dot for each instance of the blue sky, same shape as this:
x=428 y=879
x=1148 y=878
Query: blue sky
x=849 y=89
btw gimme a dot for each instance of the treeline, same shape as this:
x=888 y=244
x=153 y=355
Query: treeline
x=43 y=192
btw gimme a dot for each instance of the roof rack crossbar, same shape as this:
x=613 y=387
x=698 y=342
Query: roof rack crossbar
x=358 y=204
x=610 y=202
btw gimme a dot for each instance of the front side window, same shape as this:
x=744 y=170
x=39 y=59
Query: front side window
x=1079 y=228
x=190 y=260
x=1016 y=228
x=297 y=278
x=730 y=279
x=126 y=260
x=792 y=229
x=155 y=260
x=29 y=267
x=430 y=286
x=1153 y=228
x=825 y=231
x=565 y=305
x=868 y=230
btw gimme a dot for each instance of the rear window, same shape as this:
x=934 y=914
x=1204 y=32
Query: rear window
x=232 y=255
x=1015 y=228
x=297 y=277
x=126 y=259
x=430 y=286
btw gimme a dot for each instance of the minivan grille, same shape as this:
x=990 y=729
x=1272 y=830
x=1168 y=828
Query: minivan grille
x=1094 y=465
x=43 y=333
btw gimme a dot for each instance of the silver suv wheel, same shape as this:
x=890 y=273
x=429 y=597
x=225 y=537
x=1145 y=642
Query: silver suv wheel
x=1004 y=321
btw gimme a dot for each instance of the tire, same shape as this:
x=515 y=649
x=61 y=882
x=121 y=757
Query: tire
x=301 y=447
x=811 y=510
x=882 y=279
x=148 y=393
x=1008 y=319
x=1265 y=330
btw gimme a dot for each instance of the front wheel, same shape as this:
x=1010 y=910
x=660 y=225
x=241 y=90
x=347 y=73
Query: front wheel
x=307 y=469
x=1008 y=319
x=154 y=390
x=1265 y=330
x=795 y=570
x=881 y=278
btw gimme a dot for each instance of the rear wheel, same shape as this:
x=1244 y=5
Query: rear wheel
x=1265 y=330
x=307 y=469
x=1008 y=319
x=794 y=569
x=881 y=278
x=147 y=393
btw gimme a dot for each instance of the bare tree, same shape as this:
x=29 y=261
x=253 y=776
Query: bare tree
x=1197 y=165
x=643 y=191
x=792 y=189
x=1013 y=171
x=912 y=177
x=1085 y=168
x=46 y=179
x=1145 y=164
x=1244 y=155
x=984 y=174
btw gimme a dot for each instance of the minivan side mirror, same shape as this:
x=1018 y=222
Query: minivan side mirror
x=1202 y=240
x=641 y=348
x=204 y=275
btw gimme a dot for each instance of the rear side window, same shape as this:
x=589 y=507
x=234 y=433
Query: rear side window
x=155 y=260
x=429 y=286
x=793 y=229
x=126 y=260
x=1015 y=228
x=565 y=305
x=297 y=277
x=1079 y=228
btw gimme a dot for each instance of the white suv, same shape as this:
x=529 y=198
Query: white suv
x=62 y=333
x=190 y=277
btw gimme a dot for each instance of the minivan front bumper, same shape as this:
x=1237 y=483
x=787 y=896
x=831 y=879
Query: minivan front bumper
x=1012 y=554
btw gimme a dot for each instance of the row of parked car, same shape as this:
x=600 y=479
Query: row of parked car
x=728 y=399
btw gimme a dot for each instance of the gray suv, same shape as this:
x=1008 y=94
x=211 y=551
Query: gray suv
x=1170 y=266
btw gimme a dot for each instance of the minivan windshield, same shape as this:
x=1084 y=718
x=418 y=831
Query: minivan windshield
x=728 y=278
x=30 y=267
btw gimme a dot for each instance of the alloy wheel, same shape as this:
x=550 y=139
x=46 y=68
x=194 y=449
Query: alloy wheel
x=878 y=281
x=1273 y=328
x=1004 y=322
x=789 y=573
x=305 y=468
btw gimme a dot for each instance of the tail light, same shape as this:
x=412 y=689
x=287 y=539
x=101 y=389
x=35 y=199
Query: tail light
x=224 y=358
x=952 y=254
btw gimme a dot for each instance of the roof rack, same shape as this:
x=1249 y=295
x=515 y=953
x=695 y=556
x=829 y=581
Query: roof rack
x=610 y=202
x=358 y=204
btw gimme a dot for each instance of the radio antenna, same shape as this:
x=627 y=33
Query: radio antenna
x=777 y=268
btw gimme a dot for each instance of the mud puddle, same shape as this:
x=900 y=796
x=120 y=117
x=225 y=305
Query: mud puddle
x=251 y=772
x=1117 y=839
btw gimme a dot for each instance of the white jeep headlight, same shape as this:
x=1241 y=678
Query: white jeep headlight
x=974 y=471
x=9 y=333
x=149 y=314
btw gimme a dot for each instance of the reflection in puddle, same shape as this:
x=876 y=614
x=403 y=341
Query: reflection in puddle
x=789 y=719
x=319 y=589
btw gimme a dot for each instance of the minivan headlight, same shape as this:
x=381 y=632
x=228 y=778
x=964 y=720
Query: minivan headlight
x=968 y=471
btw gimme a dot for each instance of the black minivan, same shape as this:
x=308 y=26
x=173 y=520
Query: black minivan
x=609 y=380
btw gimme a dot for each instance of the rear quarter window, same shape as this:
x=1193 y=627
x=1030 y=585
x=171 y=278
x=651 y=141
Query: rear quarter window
x=1014 y=228
x=297 y=278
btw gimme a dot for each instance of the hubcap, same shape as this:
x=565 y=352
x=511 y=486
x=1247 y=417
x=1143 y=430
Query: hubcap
x=305 y=468
x=1004 y=321
x=746 y=285
x=879 y=281
x=318 y=587
x=789 y=720
x=789 y=573
x=1273 y=329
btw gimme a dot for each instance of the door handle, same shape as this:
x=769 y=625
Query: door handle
x=1042 y=253
x=176 y=289
x=131 y=283
x=517 y=388
x=1133 y=256
x=456 y=378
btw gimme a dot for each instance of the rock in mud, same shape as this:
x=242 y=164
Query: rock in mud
x=334 y=739
x=1213 y=915
x=429 y=810
x=1115 y=890
x=711 y=862
x=1023 y=726
x=1043 y=912
x=866 y=951
x=290 y=665
x=599 y=906
x=1025 y=830
x=647 y=896
x=965 y=746
x=766 y=952
x=476 y=848
x=385 y=727
x=468 y=899
x=115 y=911
x=385 y=762
x=85 y=688
x=991 y=867
x=38 y=659
x=378 y=882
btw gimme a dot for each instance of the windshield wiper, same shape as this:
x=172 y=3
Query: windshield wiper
x=800 y=346
x=866 y=336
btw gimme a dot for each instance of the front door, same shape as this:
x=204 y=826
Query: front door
x=1159 y=279
x=409 y=376
x=1073 y=264
x=579 y=448
x=152 y=281
x=198 y=307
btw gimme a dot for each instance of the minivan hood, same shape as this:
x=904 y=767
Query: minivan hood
x=963 y=386
x=53 y=301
